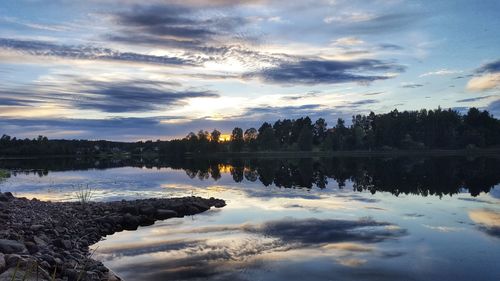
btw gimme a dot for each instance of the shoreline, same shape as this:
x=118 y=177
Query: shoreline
x=352 y=153
x=39 y=238
x=288 y=154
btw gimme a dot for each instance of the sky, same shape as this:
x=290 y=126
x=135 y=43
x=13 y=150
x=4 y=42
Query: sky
x=135 y=70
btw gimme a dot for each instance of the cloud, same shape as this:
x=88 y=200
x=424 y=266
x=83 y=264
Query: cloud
x=128 y=97
x=487 y=220
x=118 y=128
x=112 y=97
x=174 y=25
x=411 y=85
x=487 y=77
x=494 y=108
x=317 y=231
x=356 y=104
x=373 y=94
x=491 y=67
x=475 y=99
x=85 y=52
x=485 y=82
x=319 y=71
x=348 y=41
x=354 y=17
x=441 y=72
x=273 y=113
x=370 y=23
x=252 y=245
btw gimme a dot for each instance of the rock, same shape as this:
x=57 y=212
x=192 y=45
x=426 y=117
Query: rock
x=129 y=209
x=5 y=197
x=147 y=210
x=13 y=259
x=61 y=243
x=40 y=242
x=36 y=227
x=165 y=214
x=22 y=274
x=72 y=274
x=32 y=247
x=130 y=222
x=3 y=264
x=57 y=235
x=11 y=247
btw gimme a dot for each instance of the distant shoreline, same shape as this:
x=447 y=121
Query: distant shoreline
x=288 y=154
x=352 y=153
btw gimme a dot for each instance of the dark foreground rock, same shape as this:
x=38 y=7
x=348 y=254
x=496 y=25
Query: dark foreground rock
x=39 y=239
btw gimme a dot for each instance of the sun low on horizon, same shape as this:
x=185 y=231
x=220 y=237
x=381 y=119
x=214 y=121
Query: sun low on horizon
x=135 y=70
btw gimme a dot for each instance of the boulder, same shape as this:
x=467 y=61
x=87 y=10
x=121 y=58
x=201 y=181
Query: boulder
x=163 y=214
x=61 y=243
x=147 y=210
x=130 y=222
x=32 y=247
x=11 y=247
x=40 y=242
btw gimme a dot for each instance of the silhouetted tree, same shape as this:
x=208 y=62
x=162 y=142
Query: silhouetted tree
x=237 y=139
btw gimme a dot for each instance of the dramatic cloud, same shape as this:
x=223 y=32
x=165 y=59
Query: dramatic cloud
x=485 y=82
x=488 y=77
x=316 y=231
x=176 y=26
x=220 y=259
x=319 y=71
x=112 y=97
x=48 y=49
x=122 y=97
x=490 y=67
x=487 y=221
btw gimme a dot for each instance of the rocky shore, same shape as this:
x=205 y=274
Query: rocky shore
x=50 y=240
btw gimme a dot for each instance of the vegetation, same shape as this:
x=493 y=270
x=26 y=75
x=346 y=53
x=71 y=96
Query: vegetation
x=407 y=130
x=84 y=195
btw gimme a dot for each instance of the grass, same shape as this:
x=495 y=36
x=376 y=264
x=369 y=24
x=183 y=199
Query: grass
x=84 y=195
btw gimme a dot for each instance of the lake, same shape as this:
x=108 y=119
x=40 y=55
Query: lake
x=406 y=218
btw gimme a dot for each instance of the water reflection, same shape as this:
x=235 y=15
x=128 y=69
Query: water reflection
x=295 y=219
x=403 y=175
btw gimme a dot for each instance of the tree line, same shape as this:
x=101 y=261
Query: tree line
x=408 y=130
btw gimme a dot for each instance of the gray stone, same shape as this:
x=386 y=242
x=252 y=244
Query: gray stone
x=165 y=214
x=11 y=247
x=40 y=242
x=32 y=247
x=147 y=210
x=3 y=264
x=36 y=227
x=130 y=222
x=21 y=275
x=13 y=259
x=62 y=243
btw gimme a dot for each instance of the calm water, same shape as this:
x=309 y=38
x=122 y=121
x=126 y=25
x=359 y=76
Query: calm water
x=304 y=219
